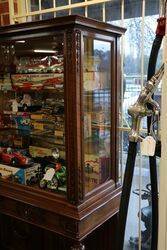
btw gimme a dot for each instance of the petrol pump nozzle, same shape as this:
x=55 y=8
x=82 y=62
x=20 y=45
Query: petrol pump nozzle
x=140 y=109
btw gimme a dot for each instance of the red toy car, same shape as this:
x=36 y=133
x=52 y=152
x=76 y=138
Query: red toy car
x=8 y=156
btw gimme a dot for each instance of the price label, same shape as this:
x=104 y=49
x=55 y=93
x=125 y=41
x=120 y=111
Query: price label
x=49 y=174
x=147 y=146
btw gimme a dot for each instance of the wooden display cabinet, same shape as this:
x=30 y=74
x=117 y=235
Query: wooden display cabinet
x=59 y=96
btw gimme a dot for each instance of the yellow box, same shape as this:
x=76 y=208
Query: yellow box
x=37 y=116
x=39 y=151
x=38 y=125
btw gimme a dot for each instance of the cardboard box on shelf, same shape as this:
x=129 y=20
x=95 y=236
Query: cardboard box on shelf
x=97 y=171
x=39 y=151
x=21 y=175
x=42 y=152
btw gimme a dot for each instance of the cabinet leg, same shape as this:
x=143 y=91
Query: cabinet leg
x=78 y=246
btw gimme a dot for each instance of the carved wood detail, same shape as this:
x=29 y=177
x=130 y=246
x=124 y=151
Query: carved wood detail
x=73 y=63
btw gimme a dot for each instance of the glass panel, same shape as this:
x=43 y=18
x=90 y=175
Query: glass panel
x=95 y=11
x=113 y=12
x=77 y=1
x=34 y=5
x=62 y=13
x=132 y=8
x=62 y=2
x=78 y=11
x=32 y=134
x=47 y=16
x=97 y=111
x=33 y=18
x=45 y=4
x=152 y=7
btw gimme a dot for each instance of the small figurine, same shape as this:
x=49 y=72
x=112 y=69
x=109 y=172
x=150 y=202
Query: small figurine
x=15 y=106
x=23 y=122
x=26 y=101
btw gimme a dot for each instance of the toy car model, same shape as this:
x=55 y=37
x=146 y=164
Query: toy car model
x=8 y=156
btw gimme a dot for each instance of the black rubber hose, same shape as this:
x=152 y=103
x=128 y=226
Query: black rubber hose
x=153 y=56
x=126 y=190
x=152 y=159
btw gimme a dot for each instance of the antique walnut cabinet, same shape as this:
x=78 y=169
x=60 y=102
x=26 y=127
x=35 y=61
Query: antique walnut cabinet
x=59 y=101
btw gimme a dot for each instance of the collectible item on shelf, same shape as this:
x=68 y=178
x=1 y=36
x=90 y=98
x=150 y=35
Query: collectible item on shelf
x=14 y=158
x=40 y=64
x=39 y=151
x=95 y=170
x=5 y=82
x=20 y=175
x=23 y=122
x=15 y=106
x=54 y=178
x=37 y=81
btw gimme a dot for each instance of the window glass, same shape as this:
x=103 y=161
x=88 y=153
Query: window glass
x=113 y=11
x=62 y=13
x=61 y=3
x=77 y=1
x=95 y=11
x=34 y=5
x=152 y=7
x=133 y=8
x=48 y=15
x=78 y=11
x=45 y=4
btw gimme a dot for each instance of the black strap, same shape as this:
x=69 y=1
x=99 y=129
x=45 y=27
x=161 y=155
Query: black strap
x=126 y=190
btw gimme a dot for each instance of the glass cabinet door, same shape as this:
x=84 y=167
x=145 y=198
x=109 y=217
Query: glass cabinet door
x=97 y=112
x=32 y=129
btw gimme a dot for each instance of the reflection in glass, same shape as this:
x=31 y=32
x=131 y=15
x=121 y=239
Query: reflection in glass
x=32 y=129
x=97 y=111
